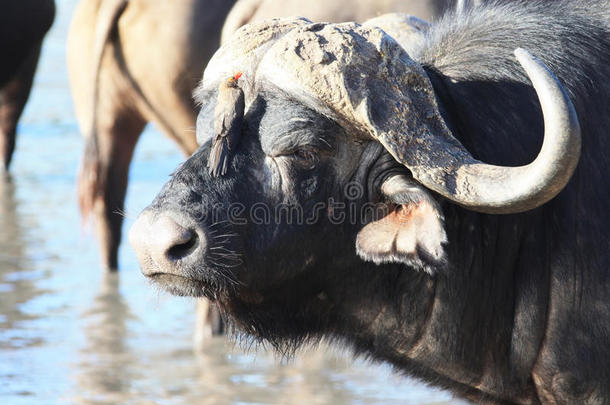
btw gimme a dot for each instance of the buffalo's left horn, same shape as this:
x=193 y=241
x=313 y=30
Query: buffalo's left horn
x=502 y=190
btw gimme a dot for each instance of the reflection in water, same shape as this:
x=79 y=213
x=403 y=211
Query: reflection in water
x=104 y=371
x=10 y=237
x=317 y=376
x=19 y=291
x=17 y=278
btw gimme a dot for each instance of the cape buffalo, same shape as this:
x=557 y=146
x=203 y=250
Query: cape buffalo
x=23 y=25
x=120 y=81
x=488 y=279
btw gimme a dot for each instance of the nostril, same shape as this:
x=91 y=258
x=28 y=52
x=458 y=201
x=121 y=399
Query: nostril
x=164 y=245
x=184 y=249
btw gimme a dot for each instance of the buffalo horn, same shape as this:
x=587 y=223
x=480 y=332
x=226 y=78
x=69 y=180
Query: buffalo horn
x=501 y=190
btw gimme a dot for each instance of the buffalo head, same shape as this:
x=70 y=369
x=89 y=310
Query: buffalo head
x=342 y=161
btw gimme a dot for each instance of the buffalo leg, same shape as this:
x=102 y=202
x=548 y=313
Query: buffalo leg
x=117 y=137
x=209 y=322
x=13 y=97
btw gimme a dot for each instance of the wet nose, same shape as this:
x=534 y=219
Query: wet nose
x=163 y=245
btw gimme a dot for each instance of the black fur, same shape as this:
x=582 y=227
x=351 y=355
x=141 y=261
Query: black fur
x=522 y=313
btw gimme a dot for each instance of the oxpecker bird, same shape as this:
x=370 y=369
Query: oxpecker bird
x=228 y=119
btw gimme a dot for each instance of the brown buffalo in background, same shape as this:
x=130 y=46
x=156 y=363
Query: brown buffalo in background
x=130 y=63
x=248 y=11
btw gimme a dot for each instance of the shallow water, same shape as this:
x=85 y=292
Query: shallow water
x=69 y=334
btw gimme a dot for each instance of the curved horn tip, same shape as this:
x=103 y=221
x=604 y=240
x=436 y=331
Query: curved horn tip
x=551 y=91
x=522 y=53
x=504 y=190
x=529 y=61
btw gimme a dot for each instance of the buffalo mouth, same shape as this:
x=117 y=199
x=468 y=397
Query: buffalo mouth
x=183 y=286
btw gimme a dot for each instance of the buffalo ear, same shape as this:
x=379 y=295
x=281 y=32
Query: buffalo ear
x=411 y=231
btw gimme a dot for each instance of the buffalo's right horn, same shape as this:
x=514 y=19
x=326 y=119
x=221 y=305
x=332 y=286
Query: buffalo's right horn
x=498 y=189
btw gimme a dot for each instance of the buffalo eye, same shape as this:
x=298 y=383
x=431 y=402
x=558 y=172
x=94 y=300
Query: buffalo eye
x=306 y=157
